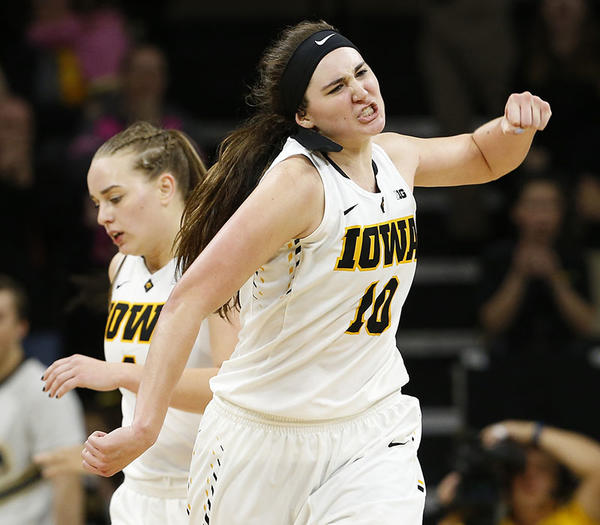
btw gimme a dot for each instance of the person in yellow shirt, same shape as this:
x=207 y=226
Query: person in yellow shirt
x=534 y=495
x=538 y=494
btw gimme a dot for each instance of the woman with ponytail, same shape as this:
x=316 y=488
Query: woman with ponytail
x=140 y=180
x=307 y=222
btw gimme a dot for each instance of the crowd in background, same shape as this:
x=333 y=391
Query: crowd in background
x=72 y=74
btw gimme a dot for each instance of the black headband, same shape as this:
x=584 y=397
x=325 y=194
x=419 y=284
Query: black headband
x=299 y=70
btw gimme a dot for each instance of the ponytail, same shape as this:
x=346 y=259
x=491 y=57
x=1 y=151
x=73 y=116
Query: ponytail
x=244 y=155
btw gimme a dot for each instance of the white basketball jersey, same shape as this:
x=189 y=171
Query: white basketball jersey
x=319 y=319
x=137 y=299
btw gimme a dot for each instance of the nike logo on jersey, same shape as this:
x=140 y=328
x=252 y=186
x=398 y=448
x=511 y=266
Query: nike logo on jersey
x=120 y=284
x=321 y=42
x=346 y=212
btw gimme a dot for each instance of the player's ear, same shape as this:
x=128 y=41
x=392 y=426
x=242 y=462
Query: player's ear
x=303 y=119
x=167 y=187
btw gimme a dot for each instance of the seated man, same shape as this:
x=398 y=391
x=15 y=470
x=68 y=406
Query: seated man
x=31 y=423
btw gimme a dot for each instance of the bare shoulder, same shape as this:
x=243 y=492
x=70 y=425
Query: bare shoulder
x=403 y=151
x=297 y=165
x=113 y=267
x=298 y=175
x=296 y=185
x=397 y=145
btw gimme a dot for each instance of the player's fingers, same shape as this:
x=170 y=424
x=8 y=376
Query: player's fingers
x=67 y=386
x=94 y=442
x=54 y=370
x=50 y=374
x=53 y=367
x=95 y=464
x=512 y=112
x=92 y=455
x=546 y=112
x=526 y=111
x=536 y=113
x=92 y=447
x=90 y=467
x=65 y=375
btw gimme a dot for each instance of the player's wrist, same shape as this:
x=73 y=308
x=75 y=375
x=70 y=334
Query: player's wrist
x=126 y=377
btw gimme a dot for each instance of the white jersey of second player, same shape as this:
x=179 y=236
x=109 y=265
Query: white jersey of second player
x=319 y=320
x=137 y=299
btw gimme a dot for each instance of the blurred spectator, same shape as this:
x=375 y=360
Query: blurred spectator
x=466 y=55
x=21 y=239
x=561 y=63
x=32 y=208
x=88 y=46
x=32 y=423
x=143 y=84
x=554 y=479
x=77 y=53
x=535 y=286
x=587 y=208
x=16 y=142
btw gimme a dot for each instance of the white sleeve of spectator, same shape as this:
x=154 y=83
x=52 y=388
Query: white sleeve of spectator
x=55 y=423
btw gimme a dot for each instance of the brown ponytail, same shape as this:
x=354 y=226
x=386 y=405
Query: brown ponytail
x=244 y=155
x=158 y=151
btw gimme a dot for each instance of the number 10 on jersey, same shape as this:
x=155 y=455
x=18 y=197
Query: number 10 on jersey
x=379 y=307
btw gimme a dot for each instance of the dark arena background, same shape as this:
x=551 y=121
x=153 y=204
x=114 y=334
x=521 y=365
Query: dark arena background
x=444 y=67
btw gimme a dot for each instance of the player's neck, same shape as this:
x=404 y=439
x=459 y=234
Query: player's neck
x=163 y=249
x=12 y=359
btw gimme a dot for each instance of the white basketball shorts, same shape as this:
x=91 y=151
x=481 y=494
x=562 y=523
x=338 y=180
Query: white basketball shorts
x=251 y=469
x=148 y=503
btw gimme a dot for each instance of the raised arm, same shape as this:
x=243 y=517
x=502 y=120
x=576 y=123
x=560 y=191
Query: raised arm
x=287 y=204
x=493 y=150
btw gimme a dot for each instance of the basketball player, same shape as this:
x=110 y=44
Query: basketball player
x=139 y=180
x=31 y=423
x=308 y=423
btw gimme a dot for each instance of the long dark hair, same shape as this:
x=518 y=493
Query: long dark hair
x=244 y=155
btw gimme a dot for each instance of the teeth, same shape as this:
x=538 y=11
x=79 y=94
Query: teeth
x=367 y=111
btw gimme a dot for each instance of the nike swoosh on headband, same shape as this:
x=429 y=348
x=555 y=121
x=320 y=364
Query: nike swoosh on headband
x=321 y=42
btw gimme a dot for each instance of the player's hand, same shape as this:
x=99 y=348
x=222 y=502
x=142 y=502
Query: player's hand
x=106 y=454
x=524 y=111
x=66 y=460
x=79 y=371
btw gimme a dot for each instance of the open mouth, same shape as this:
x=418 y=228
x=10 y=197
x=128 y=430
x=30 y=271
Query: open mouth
x=368 y=113
x=116 y=236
